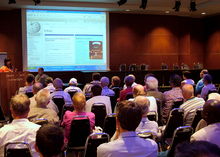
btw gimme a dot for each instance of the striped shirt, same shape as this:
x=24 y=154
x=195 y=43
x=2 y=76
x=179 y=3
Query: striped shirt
x=190 y=107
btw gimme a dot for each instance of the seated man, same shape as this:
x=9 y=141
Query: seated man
x=41 y=111
x=73 y=86
x=128 y=80
x=133 y=84
x=41 y=77
x=20 y=130
x=187 y=78
x=191 y=103
x=200 y=83
x=28 y=88
x=98 y=98
x=105 y=90
x=145 y=124
x=79 y=102
x=49 y=84
x=58 y=84
x=210 y=133
x=128 y=143
x=49 y=141
x=208 y=86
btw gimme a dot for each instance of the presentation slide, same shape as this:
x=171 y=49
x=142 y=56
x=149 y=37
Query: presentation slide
x=65 y=40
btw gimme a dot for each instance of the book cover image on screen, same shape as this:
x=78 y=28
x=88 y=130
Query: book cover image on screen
x=95 y=49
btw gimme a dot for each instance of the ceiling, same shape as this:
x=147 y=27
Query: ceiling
x=210 y=7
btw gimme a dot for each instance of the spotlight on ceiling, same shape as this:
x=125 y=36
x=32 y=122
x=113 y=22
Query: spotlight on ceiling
x=121 y=2
x=192 y=5
x=143 y=4
x=177 y=5
x=11 y=1
x=36 y=2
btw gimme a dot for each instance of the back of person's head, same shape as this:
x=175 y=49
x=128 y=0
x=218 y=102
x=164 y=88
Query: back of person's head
x=58 y=83
x=148 y=75
x=37 y=87
x=41 y=69
x=73 y=82
x=207 y=79
x=215 y=96
x=203 y=72
x=43 y=98
x=187 y=75
x=138 y=90
x=129 y=115
x=96 y=90
x=79 y=101
x=116 y=81
x=211 y=111
x=151 y=83
x=49 y=80
x=129 y=80
x=132 y=76
x=188 y=91
x=49 y=140
x=175 y=80
x=96 y=76
x=144 y=103
x=197 y=149
x=20 y=105
x=30 y=78
x=104 y=81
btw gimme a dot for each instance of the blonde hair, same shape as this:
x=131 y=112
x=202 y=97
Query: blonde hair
x=42 y=98
x=79 y=101
x=20 y=104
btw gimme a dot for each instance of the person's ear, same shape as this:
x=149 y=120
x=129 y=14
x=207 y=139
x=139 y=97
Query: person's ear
x=36 y=148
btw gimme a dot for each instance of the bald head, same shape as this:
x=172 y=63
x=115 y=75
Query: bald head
x=37 y=87
x=188 y=91
x=79 y=101
x=144 y=103
x=211 y=111
x=138 y=90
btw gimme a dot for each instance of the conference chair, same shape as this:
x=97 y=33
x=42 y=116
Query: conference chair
x=159 y=111
x=72 y=92
x=3 y=120
x=40 y=121
x=122 y=67
x=110 y=124
x=152 y=115
x=197 y=117
x=11 y=150
x=177 y=103
x=93 y=141
x=146 y=134
x=60 y=102
x=29 y=94
x=99 y=109
x=65 y=108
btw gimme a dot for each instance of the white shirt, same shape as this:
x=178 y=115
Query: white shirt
x=50 y=87
x=20 y=130
x=66 y=96
x=209 y=133
x=147 y=125
x=99 y=99
x=133 y=84
x=107 y=92
x=25 y=89
x=72 y=88
x=128 y=145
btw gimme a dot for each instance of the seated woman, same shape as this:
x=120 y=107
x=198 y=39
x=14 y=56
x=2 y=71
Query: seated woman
x=79 y=102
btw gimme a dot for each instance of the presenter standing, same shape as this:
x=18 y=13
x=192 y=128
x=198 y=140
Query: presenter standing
x=7 y=67
x=41 y=77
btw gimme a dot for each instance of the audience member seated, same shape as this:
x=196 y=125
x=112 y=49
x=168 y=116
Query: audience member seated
x=49 y=141
x=200 y=83
x=128 y=80
x=58 y=84
x=36 y=88
x=28 y=88
x=197 y=149
x=145 y=124
x=73 y=86
x=151 y=88
x=49 y=84
x=175 y=94
x=187 y=78
x=88 y=86
x=41 y=77
x=191 y=103
x=79 y=103
x=20 y=130
x=105 y=90
x=98 y=98
x=128 y=144
x=210 y=133
x=133 y=84
x=208 y=86
x=115 y=85
x=41 y=111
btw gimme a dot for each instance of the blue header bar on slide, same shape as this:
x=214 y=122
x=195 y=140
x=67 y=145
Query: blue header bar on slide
x=64 y=11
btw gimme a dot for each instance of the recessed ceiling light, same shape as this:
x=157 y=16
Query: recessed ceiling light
x=127 y=10
x=167 y=12
x=203 y=13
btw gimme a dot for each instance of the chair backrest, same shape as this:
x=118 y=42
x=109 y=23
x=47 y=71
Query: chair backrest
x=152 y=115
x=72 y=92
x=65 y=108
x=22 y=151
x=197 y=117
x=175 y=120
x=180 y=135
x=79 y=131
x=93 y=141
x=41 y=121
x=177 y=103
x=29 y=94
x=60 y=102
x=159 y=111
x=99 y=109
x=110 y=124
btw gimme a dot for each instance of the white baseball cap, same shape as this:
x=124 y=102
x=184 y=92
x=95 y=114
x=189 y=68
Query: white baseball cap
x=73 y=81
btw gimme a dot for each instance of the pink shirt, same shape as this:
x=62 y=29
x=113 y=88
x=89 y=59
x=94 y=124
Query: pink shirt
x=67 y=119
